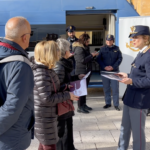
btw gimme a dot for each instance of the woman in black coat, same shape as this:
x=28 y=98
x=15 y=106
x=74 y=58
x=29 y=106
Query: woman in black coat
x=65 y=122
x=83 y=59
x=45 y=98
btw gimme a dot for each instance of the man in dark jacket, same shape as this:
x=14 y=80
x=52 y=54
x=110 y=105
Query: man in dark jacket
x=16 y=88
x=109 y=59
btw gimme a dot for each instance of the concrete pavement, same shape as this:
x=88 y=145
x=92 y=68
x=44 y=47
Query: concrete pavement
x=100 y=129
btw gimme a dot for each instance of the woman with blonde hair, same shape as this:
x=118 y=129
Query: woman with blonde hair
x=137 y=96
x=46 y=96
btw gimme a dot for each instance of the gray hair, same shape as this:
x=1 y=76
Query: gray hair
x=14 y=32
x=63 y=45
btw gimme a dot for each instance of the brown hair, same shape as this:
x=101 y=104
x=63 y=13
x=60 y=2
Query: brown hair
x=46 y=52
x=83 y=38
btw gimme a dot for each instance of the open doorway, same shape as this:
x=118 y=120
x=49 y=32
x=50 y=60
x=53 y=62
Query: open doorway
x=97 y=26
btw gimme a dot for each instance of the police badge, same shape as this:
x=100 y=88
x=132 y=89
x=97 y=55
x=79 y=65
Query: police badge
x=130 y=45
x=133 y=30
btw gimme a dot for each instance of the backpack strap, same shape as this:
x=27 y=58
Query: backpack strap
x=16 y=58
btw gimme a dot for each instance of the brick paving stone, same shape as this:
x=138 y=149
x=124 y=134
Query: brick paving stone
x=106 y=125
x=96 y=136
x=77 y=137
x=86 y=146
x=89 y=126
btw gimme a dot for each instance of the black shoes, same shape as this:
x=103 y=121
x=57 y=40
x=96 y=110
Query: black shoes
x=148 y=112
x=117 y=108
x=107 y=106
x=82 y=110
x=87 y=107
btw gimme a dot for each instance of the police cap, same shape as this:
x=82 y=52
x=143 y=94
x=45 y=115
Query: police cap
x=139 y=30
x=110 y=37
x=71 y=28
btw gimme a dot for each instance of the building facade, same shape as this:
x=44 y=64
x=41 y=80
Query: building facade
x=51 y=17
x=141 y=6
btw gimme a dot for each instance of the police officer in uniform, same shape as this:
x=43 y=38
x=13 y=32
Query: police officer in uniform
x=137 y=96
x=109 y=59
x=71 y=35
x=71 y=38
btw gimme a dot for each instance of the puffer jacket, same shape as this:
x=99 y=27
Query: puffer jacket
x=63 y=69
x=83 y=58
x=45 y=103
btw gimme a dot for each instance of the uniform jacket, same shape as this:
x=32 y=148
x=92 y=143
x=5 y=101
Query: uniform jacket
x=45 y=103
x=71 y=42
x=137 y=95
x=16 y=91
x=63 y=69
x=83 y=58
x=109 y=56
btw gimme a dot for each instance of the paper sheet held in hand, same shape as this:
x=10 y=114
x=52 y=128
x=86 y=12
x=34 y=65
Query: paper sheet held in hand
x=111 y=75
x=79 y=87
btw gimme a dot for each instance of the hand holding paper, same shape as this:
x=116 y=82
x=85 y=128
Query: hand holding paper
x=80 y=87
x=73 y=97
x=122 y=75
x=126 y=81
x=81 y=76
x=111 y=75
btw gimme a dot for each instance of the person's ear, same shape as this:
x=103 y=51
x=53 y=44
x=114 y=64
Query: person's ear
x=24 y=38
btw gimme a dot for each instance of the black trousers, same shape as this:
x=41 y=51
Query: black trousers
x=65 y=133
x=82 y=99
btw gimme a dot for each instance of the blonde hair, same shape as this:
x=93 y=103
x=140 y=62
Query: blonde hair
x=46 y=52
x=147 y=39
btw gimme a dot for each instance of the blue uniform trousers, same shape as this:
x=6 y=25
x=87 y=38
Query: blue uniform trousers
x=107 y=86
x=133 y=120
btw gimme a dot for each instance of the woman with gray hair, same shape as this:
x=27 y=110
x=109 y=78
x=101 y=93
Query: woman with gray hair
x=65 y=122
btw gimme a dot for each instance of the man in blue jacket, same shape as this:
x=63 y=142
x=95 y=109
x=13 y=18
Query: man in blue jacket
x=109 y=59
x=16 y=88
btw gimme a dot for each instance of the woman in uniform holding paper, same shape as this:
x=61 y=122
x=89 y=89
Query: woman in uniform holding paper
x=83 y=59
x=137 y=96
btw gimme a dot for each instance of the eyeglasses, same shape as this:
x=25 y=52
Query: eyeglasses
x=31 y=34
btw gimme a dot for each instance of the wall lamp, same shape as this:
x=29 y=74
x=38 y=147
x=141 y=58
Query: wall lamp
x=91 y=7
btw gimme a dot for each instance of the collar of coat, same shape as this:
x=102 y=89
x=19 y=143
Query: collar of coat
x=66 y=63
x=14 y=45
x=75 y=44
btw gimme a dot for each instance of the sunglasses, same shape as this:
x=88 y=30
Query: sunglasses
x=31 y=34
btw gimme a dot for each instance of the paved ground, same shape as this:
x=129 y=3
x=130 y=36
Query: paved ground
x=98 y=130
